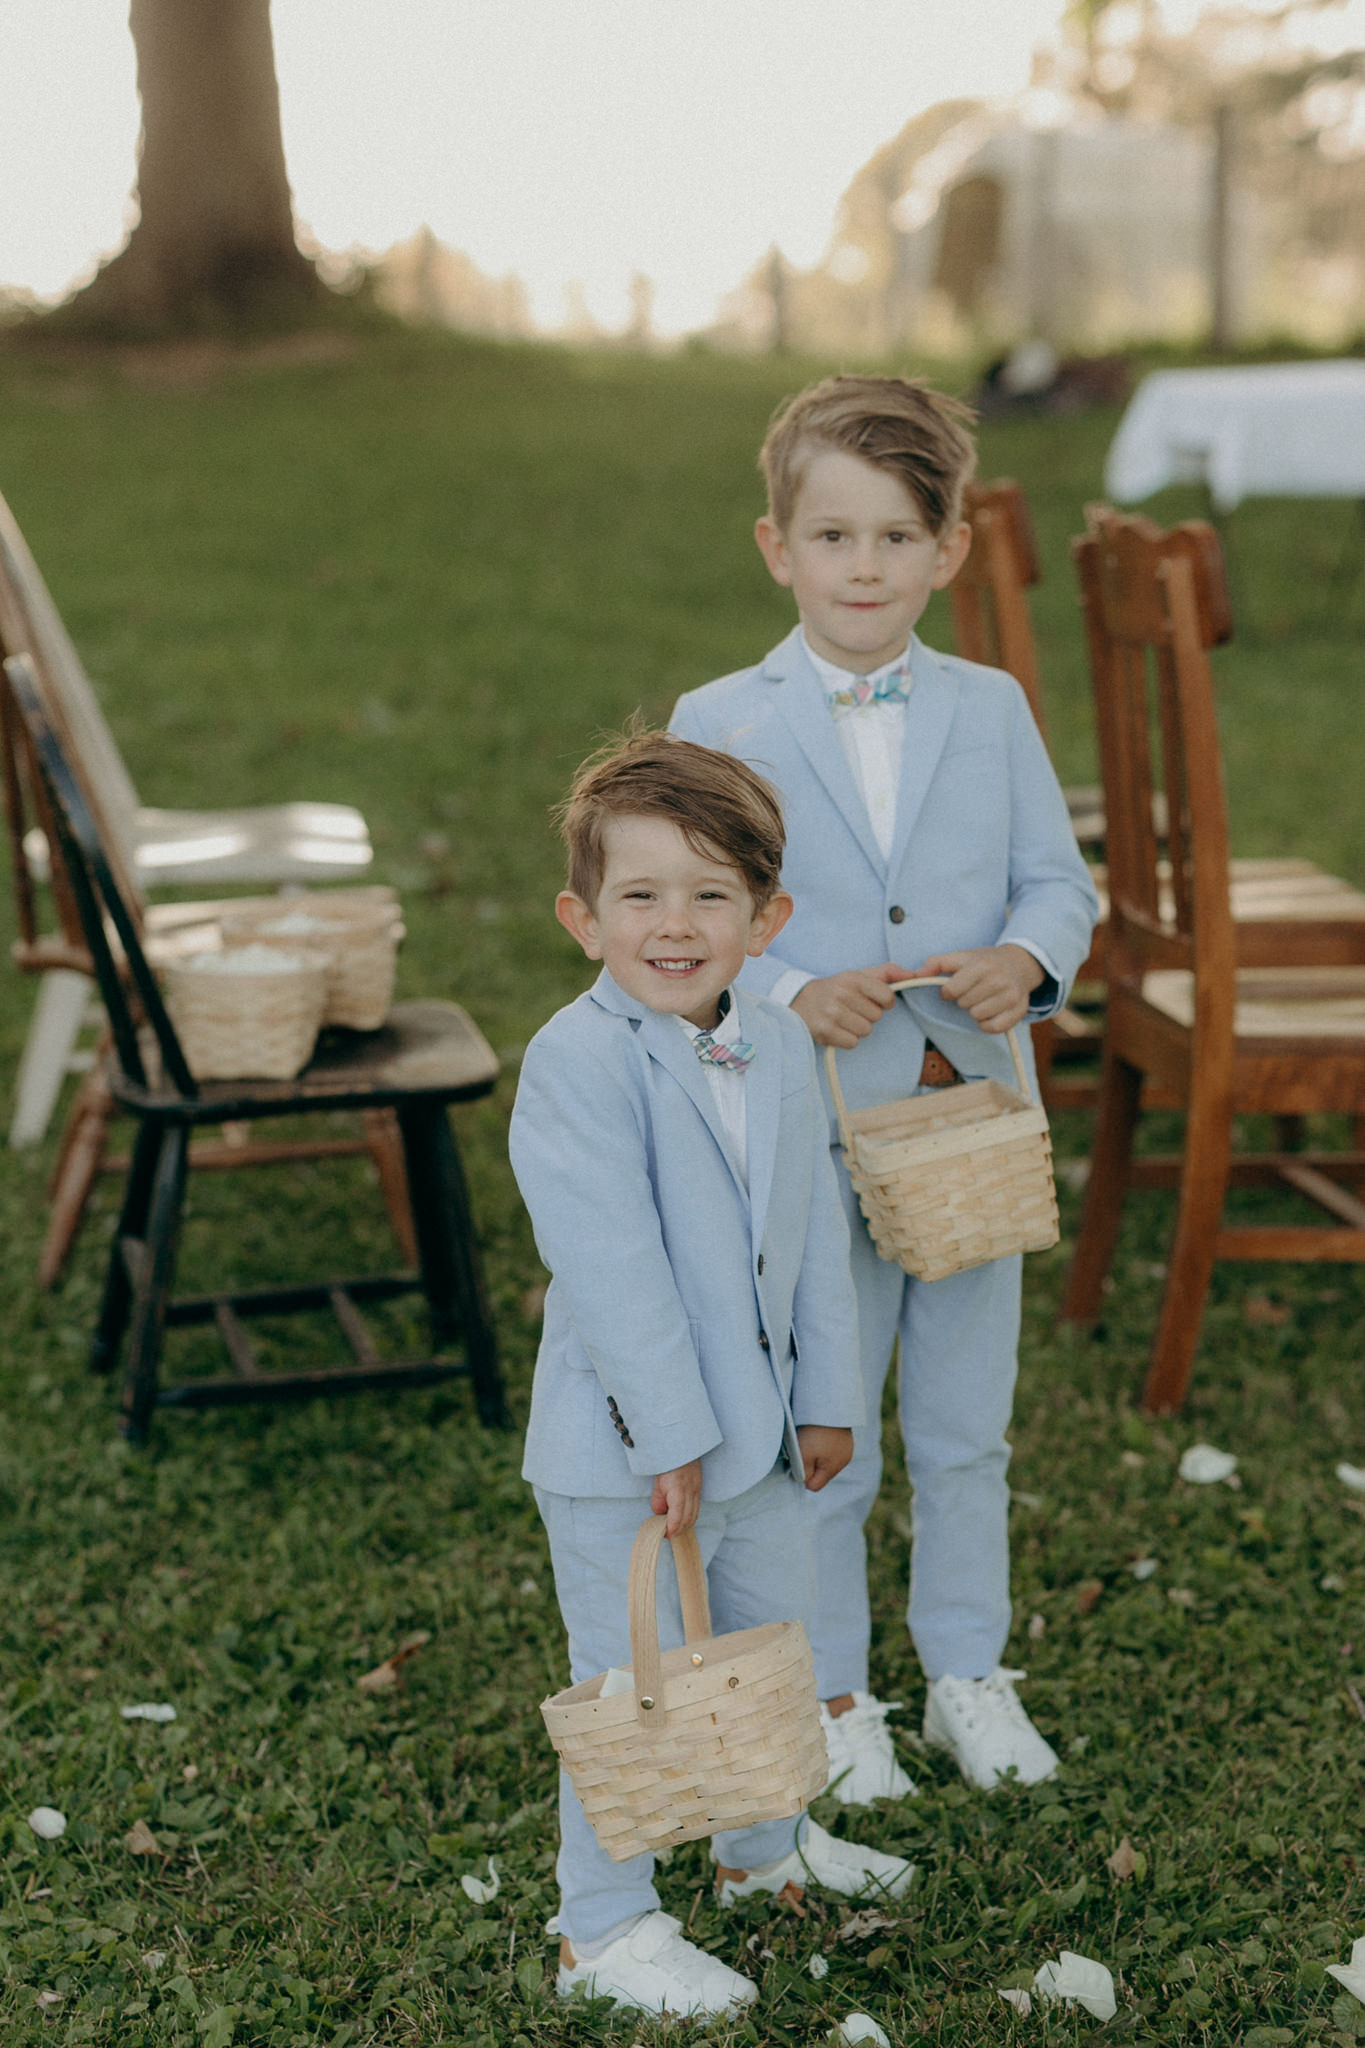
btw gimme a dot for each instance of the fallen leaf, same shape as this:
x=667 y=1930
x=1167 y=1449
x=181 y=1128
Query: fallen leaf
x=1262 y=1313
x=47 y=1823
x=859 y=1925
x=148 y=1710
x=817 y=1966
x=386 y=1676
x=1020 y=2000
x=1089 y=1595
x=1352 y=1974
x=479 y=1889
x=47 y=1999
x=1202 y=1465
x=1123 y=1862
x=140 y=1841
x=1078 y=1981
x=1352 y=1476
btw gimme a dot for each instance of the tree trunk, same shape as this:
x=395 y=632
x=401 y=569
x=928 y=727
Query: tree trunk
x=214 y=245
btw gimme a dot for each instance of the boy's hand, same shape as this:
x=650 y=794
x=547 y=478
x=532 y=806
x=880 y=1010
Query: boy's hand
x=678 y=1495
x=992 y=983
x=842 y=1008
x=823 y=1452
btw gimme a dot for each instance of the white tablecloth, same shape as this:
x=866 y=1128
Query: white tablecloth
x=1279 y=430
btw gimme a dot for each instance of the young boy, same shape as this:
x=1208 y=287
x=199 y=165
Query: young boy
x=927 y=834
x=699 y=1352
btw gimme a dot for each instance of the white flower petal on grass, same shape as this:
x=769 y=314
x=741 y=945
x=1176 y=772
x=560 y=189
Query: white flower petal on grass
x=1079 y=1981
x=47 y=1823
x=1352 y=1476
x=817 y=1966
x=1143 y=1567
x=859 y=2026
x=1020 y=2000
x=1202 y=1465
x=148 y=1710
x=479 y=1889
x=1352 y=1974
x=153 y=1958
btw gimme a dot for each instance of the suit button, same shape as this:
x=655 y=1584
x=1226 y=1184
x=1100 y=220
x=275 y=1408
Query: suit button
x=763 y=1343
x=760 y=1262
x=896 y=914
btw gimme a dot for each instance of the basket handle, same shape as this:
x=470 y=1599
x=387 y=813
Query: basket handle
x=914 y=981
x=644 y=1624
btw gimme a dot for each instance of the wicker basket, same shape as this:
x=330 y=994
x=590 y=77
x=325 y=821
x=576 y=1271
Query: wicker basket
x=359 y=941
x=953 y=1178
x=235 y=1026
x=722 y=1733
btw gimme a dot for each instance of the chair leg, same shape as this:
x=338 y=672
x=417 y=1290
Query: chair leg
x=1203 y=1188
x=58 y=1014
x=385 y=1141
x=84 y=1142
x=132 y=1228
x=156 y=1267
x=452 y=1270
x=1115 y=1122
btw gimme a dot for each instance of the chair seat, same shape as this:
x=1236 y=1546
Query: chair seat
x=425 y=1048
x=294 y=842
x=1268 y=891
x=1272 y=1004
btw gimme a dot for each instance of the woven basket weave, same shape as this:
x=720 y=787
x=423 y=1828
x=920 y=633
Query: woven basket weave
x=238 y=1026
x=953 y=1178
x=722 y=1733
x=359 y=944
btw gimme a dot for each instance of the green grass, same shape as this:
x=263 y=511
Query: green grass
x=422 y=577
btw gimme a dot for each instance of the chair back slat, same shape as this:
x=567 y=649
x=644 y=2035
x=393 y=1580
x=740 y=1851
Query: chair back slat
x=991 y=621
x=1153 y=604
x=79 y=856
x=31 y=624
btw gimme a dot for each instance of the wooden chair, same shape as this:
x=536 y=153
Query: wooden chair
x=1226 y=1017
x=427 y=1056
x=266 y=844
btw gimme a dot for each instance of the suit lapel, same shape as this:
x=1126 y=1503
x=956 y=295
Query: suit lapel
x=929 y=715
x=668 y=1045
x=802 y=707
x=763 y=1101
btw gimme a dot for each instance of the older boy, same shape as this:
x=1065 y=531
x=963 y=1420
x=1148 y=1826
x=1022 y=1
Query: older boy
x=926 y=834
x=699 y=1353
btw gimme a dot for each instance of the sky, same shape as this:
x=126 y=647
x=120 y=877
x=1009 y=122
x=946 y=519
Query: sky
x=574 y=142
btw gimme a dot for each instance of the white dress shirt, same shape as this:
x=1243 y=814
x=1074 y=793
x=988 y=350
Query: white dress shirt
x=727 y=1084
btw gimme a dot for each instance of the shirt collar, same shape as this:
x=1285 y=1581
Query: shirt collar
x=833 y=678
x=727 y=1031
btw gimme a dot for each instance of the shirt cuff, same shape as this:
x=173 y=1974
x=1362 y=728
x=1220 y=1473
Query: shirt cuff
x=1048 y=995
x=788 y=985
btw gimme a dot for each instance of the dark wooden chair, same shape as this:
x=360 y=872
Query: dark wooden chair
x=426 y=1057
x=1225 y=1016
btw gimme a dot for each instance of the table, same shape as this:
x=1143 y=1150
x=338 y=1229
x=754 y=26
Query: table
x=1283 y=430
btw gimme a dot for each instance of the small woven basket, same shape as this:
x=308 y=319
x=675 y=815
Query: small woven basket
x=953 y=1178
x=359 y=942
x=722 y=1733
x=238 y=1026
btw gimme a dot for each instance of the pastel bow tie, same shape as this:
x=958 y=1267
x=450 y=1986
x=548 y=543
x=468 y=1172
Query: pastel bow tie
x=716 y=1052
x=893 y=688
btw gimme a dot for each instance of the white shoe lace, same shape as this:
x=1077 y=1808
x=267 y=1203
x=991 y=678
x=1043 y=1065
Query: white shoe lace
x=864 y=1724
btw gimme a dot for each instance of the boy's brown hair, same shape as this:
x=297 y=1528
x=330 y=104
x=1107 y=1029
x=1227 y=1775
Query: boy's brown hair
x=898 y=424
x=717 y=802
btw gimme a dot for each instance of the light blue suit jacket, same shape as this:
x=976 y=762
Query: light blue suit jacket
x=696 y=1319
x=983 y=847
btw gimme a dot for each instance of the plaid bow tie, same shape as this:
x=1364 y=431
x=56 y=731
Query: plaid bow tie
x=893 y=688
x=715 y=1052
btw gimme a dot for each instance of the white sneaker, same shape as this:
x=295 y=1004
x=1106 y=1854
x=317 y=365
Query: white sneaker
x=862 y=1763
x=983 y=1724
x=844 y=1867
x=653 y=1969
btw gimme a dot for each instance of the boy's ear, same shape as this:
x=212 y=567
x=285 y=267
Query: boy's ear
x=769 y=922
x=953 y=550
x=773 y=549
x=578 y=921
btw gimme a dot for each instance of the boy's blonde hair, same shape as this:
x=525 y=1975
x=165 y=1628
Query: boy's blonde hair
x=899 y=424
x=717 y=802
